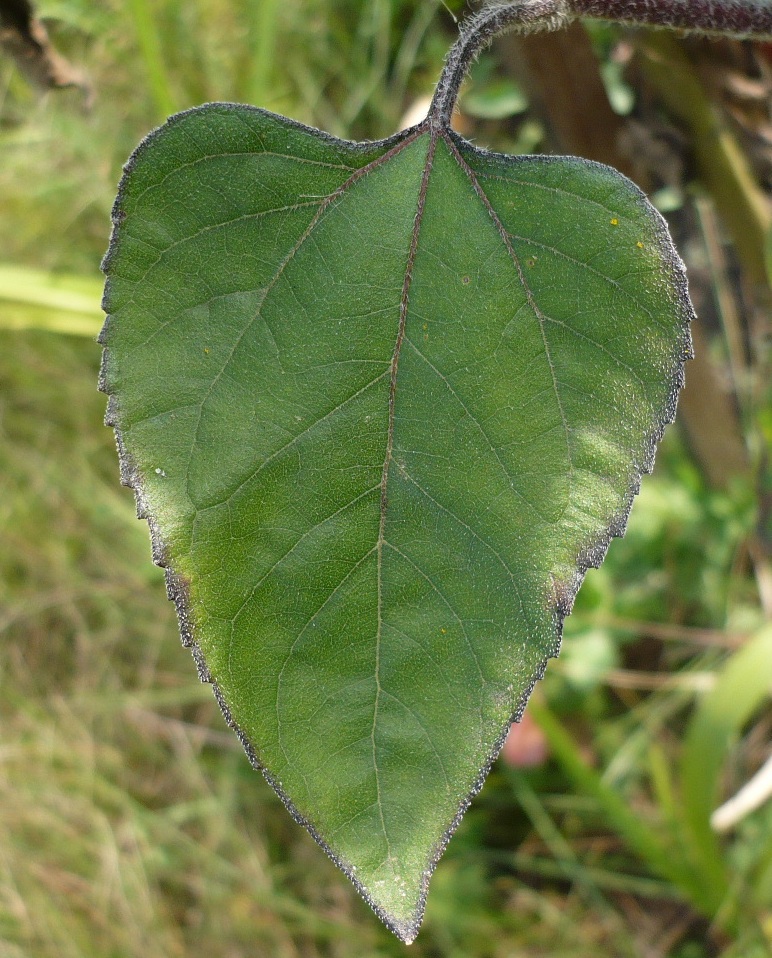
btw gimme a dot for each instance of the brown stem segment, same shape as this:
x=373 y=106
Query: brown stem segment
x=739 y=18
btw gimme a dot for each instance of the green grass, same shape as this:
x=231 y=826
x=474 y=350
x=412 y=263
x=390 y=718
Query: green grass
x=131 y=823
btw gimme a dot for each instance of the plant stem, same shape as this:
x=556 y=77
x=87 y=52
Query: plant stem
x=524 y=16
x=740 y=18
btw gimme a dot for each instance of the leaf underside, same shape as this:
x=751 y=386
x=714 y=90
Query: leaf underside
x=382 y=405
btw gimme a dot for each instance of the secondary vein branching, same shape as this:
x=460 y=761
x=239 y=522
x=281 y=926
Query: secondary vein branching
x=403 y=307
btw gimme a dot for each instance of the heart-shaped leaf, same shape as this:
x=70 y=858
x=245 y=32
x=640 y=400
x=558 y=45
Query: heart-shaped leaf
x=382 y=404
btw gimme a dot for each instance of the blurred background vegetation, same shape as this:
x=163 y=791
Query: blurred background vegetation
x=131 y=823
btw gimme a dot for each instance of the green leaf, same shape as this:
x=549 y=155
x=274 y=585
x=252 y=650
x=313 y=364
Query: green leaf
x=382 y=405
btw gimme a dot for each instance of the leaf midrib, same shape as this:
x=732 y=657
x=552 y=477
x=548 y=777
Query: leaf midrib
x=394 y=370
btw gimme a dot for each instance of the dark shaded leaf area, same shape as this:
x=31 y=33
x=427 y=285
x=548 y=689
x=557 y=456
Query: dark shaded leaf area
x=382 y=405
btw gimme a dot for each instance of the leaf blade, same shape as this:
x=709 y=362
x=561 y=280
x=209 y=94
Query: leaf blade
x=349 y=429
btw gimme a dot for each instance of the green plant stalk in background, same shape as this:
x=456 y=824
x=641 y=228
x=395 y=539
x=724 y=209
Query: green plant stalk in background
x=154 y=62
x=35 y=299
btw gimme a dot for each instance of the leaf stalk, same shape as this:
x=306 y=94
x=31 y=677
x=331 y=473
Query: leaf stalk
x=523 y=16
x=738 y=18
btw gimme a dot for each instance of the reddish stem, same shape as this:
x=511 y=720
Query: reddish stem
x=739 y=18
x=751 y=18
